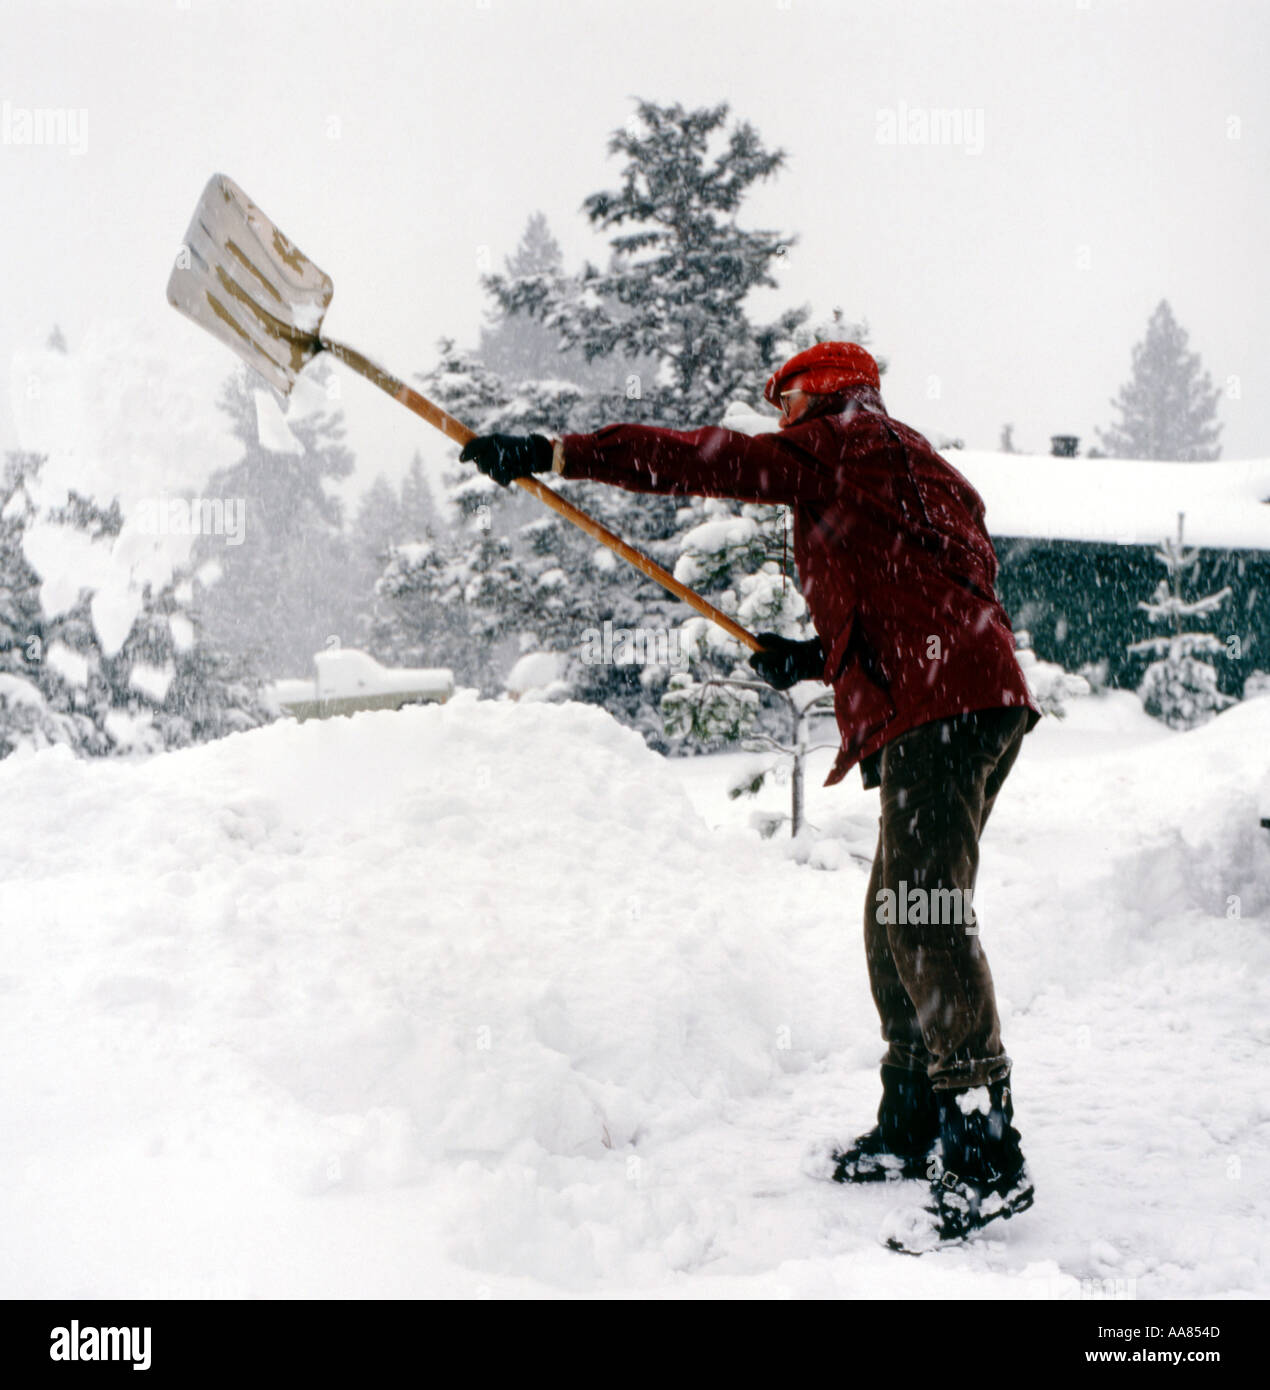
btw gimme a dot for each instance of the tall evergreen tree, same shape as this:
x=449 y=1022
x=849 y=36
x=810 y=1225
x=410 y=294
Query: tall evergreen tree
x=419 y=515
x=516 y=346
x=284 y=590
x=680 y=271
x=1168 y=408
x=378 y=524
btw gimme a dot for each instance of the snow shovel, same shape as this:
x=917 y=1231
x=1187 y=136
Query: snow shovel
x=239 y=277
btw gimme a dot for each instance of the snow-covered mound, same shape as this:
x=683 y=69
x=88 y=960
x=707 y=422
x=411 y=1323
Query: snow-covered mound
x=460 y=945
x=470 y=999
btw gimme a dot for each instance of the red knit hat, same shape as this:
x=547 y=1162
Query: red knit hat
x=828 y=367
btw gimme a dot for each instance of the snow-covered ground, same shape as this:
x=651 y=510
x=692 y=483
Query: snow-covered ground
x=486 y=999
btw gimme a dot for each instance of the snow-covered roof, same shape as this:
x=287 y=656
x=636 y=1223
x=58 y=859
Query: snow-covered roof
x=1126 y=501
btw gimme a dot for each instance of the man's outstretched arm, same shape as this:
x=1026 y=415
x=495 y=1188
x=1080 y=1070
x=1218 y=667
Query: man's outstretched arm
x=641 y=458
x=711 y=462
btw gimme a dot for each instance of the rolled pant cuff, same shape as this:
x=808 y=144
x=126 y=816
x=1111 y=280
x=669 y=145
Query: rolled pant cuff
x=981 y=1071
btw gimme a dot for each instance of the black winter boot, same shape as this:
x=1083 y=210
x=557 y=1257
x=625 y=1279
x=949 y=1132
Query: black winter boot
x=900 y=1145
x=983 y=1174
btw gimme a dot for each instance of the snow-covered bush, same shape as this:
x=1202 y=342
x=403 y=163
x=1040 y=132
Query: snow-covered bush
x=82 y=664
x=1258 y=683
x=1051 y=686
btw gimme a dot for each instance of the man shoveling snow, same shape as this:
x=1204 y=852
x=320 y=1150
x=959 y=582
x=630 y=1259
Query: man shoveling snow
x=898 y=573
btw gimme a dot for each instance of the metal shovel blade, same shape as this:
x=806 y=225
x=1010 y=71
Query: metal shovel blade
x=240 y=278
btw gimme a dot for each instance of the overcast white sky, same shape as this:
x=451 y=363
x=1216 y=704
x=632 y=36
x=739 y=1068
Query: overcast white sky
x=1124 y=159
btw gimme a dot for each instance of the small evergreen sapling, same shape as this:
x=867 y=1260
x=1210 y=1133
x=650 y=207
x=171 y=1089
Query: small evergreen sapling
x=1180 y=685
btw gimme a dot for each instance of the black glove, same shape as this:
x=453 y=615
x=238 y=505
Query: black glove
x=784 y=662
x=506 y=457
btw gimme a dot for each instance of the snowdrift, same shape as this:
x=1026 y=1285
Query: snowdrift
x=336 y=957
x=470 y=999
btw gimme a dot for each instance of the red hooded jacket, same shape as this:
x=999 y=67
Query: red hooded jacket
x=894 y=559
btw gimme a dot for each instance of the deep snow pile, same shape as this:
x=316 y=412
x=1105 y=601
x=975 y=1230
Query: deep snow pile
x=476 y=945
x=472 y=999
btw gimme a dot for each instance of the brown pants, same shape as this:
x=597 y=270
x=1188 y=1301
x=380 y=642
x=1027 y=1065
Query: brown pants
x=930 y=978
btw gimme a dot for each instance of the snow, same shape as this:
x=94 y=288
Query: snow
x=68 y=561
x=719 y=535
x=151 y=680
x=272 y=429
x=292 y=690
x=129 y=413
x=534 y=671
x=129 y=731
x=1050 y=685
x=182 y=630
x=15 y=690
x=70 y=665
x=415 y=553
x=345 y=671
x=742 y=416
x=975 y=1100
x=307 y=315
x=487 y=999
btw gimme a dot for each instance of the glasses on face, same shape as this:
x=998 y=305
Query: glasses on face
x=785 y=401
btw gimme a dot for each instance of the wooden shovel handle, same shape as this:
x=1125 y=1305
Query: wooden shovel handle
x=459 y=432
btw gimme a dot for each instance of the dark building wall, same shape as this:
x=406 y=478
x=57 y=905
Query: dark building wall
x=1079 y=600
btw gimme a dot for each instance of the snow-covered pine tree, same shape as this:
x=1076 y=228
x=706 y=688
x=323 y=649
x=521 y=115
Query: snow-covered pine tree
x=424 y=611
x=167 y=688
x=681 y=269
x=460 y=605
x=419 y=515
x=1180 y=686
x=517 y=346
x=38 y=706
x=58 y=684
x=1168 y=408
x=378 y=523
x=284 y=590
